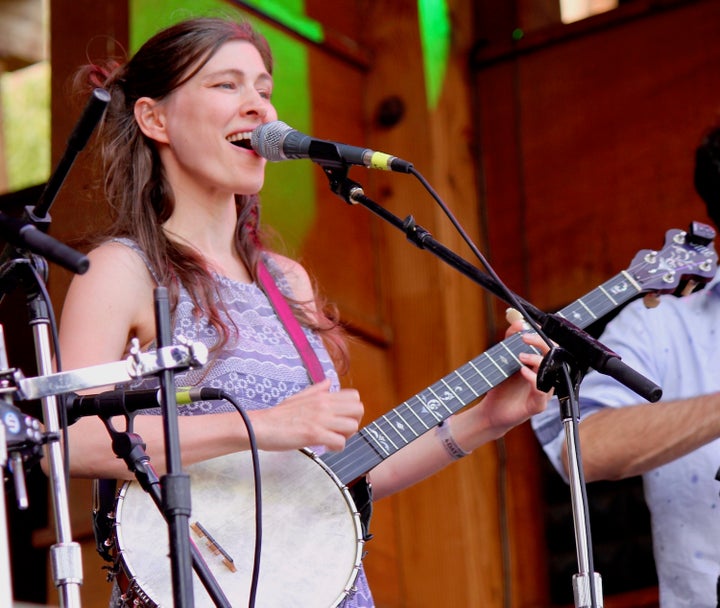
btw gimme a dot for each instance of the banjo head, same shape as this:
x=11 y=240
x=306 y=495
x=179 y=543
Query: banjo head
x=311 y=533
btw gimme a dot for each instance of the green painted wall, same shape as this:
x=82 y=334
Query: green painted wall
x=289 y=192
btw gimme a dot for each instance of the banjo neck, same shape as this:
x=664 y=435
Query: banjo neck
x=685 y=255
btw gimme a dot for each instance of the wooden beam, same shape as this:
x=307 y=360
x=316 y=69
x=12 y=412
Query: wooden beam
x=23 y=36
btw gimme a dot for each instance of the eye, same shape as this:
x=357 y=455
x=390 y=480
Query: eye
x=226 y=85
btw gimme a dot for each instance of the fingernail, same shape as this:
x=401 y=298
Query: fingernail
x=512 y=315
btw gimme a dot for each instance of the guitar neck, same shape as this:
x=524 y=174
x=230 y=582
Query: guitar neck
x=425 y=410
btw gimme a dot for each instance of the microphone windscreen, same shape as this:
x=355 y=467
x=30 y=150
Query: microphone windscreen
x=267 y=140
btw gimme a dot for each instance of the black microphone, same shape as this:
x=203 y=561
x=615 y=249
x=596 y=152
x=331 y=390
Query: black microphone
x=276 y=141
x=119 y=402
x=26 y=235
x=92 y=113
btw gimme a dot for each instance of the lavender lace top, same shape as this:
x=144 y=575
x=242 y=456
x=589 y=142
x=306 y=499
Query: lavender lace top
x=259 y=365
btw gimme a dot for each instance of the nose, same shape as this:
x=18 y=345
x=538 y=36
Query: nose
x=256 y=105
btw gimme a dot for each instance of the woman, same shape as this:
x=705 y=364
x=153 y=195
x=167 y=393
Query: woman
x=183 y=183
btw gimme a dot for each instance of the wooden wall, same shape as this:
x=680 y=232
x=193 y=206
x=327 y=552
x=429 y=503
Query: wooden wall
x=561 y=154
x=587 y=137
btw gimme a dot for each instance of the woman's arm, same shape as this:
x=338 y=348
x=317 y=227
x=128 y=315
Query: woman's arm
x=504 y=407
x=112 y=303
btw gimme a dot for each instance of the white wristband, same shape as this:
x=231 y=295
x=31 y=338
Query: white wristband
x=443 y=433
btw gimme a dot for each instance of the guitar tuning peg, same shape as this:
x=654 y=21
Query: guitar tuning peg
x=700 y=234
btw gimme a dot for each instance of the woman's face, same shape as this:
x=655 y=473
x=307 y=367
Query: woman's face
x=222 y=103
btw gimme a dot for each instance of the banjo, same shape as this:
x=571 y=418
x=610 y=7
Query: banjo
x=312 y=534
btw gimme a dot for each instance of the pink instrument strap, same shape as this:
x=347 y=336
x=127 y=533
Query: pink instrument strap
x=292 y=326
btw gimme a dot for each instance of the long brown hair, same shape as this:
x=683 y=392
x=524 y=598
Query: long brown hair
x=140 y=197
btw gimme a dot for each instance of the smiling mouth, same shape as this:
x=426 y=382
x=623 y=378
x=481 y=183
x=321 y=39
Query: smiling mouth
x=241 y=140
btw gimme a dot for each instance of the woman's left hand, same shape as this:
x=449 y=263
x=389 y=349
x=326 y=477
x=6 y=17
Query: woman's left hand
x=512 y=402
x=504 y=407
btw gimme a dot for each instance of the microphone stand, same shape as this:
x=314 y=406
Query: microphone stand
x=30 y=270
x=21 y=433
x=25 y=432
x=30 y=235
x=5 y=578
x=577 y=352
x=130 y=447
x=65 y=555
x=585 y=349
x=12 y=426
x=175 y=483
x=561 y=371
x=173 y=498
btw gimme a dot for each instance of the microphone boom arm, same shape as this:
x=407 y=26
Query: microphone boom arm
x=587 y=351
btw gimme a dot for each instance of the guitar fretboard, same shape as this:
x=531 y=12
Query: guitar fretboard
x=425 y=410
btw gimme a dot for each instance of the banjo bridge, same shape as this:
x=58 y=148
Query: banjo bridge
x=215 y=546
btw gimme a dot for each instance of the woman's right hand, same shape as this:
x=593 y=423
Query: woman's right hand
x=314 y=416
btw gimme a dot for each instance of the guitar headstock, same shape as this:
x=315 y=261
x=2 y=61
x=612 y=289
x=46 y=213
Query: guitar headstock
x=686 y=262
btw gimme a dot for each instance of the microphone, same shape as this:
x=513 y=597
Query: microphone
x=119 y=402
x=26 y=235
x=276 y=141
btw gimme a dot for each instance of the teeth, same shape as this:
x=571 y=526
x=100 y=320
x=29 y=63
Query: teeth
x=238 y=137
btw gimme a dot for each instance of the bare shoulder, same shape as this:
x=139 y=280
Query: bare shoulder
x=296 y=276
x=115 y=272
x=105 y=307
x=118 y=256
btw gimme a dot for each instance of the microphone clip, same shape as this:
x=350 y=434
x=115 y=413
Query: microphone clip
x=340 y=184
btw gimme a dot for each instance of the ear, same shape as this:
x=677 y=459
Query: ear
x=151 y=119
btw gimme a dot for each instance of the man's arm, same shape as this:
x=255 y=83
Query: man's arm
x=627 y=441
